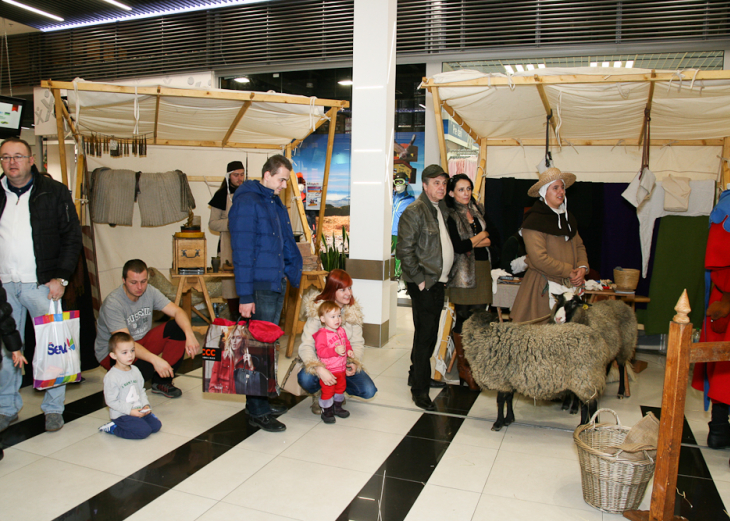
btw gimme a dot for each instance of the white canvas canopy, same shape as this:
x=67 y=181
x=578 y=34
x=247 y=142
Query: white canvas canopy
x=194 y=130
x=598 y=118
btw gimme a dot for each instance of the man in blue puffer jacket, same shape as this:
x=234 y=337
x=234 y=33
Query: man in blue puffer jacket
x=264 y=256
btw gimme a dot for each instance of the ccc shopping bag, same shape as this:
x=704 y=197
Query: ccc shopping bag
x=241 y=358
x=57 y=360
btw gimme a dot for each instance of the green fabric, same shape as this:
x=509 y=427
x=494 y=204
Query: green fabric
x=679 y=263
x=397 y=272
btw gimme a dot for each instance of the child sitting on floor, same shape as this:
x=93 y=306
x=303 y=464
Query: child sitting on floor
x=129 y=408
x=333 y=348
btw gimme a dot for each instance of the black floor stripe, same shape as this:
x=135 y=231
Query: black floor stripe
x=396 y=485
x=24 y=430
x=701 y=499
x=138 y=490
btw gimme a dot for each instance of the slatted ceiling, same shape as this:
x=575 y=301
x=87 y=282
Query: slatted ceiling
x=425 y=26
x=285 y=32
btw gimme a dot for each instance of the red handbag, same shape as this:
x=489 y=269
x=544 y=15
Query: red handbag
x=261 y=330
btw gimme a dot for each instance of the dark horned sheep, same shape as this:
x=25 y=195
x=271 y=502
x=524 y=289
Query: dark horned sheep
x=538 y=361
x=614 y=320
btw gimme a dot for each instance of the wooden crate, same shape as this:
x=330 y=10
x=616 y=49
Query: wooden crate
x=189 y=253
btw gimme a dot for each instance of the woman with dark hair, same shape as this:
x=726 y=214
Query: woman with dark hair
x=470 y=281
x=337 y=289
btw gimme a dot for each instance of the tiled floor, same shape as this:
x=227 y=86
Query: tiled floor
x=388 y=461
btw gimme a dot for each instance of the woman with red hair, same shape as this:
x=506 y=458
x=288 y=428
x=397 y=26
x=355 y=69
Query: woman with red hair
x=337 y=289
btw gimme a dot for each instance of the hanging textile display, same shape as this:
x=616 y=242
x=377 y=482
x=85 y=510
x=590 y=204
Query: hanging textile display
x=112 y=196
x=164 y=198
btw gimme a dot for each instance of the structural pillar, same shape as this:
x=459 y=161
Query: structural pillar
x=371 y=164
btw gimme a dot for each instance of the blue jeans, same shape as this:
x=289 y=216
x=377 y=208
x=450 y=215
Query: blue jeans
x=32 y=298
x=359 y=384
x=268 y=308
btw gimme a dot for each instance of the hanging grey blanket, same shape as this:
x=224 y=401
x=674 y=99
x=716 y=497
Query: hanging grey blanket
x=112 y=196
x=164 y=198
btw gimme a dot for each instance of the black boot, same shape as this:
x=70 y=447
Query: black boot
x=328 y=414
x=719 y=435
x=339 y=411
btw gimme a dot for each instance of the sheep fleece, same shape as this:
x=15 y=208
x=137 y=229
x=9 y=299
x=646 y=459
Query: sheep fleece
x=537 y=361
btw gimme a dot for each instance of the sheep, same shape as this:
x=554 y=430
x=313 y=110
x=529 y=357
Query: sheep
x=613 y=320
x=538 y=361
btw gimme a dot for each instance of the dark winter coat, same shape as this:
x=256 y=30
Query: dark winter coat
x=264 y=250
x=56 y=229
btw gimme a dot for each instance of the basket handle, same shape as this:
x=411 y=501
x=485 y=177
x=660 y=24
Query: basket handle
x=599 y=411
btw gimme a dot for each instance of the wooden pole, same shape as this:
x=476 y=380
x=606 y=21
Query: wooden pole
x=80 y=174
x=236 y=121
x=440 y=128
x=481 y=170
x=61 y=135
x=725 y=178
x=294 y=182
x=649 y=100
x=328 y=161
x=676 y=375
x=157 y=116
x=459 y=120
x=546 y=104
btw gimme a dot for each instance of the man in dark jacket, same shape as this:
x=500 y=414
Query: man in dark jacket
x=264 y=256
x=40 y=242
x=426 y=255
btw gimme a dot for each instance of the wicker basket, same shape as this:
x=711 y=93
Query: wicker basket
x=609 y=484
x=626 y=279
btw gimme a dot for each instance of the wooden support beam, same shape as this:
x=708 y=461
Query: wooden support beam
x=548 y=108
x=440 y=129
x=459 y=121
x=233 y=95
x=327 y=164
x=80 y=175
x=725 y=178
x=217 y=144
x=649 y=101
x=676 y=375
x=709 y=352
x=632 y=142
x=157 y=117
x=300 y=206
x=319 y=123
x=236 y=121
x=61 y=134
x=481 y=169
x=569 y=79
x=68 y=119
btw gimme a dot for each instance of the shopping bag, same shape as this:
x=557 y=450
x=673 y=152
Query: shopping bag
x=57 y=360
x=235 y=362
x=291 y=381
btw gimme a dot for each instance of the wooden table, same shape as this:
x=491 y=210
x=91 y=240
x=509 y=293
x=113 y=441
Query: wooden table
x=186 y=284
x=609 y=294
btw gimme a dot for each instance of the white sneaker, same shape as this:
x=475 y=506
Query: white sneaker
x=108 y=427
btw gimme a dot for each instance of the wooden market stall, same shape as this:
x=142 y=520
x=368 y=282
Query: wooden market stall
x=134 y=118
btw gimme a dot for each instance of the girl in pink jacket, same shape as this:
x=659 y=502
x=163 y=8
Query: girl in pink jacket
x=333 y=348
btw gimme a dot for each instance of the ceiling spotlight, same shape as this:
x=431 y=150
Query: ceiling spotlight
x=617 y=64
x=242 y=79
x=530 y=67
x=629 y=64
x=119 y=4
x=33 y=9
x=345 y=83
x=540 y=65
x=519 y=68
x=594 y=64
x=605 y=64
x=509 y=69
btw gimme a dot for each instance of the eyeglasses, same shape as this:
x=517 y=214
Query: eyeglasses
x=17 y=159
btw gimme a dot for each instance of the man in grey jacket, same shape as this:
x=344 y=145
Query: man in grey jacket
x=426 y=254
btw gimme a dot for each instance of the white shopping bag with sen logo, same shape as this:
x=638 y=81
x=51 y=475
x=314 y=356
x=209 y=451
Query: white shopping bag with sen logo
x=57 y=360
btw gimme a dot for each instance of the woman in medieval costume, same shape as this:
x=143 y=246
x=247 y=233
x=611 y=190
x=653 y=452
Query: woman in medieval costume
x=556 y=257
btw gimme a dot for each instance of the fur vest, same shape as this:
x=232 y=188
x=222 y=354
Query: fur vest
x=463 y=271
x=352 y=320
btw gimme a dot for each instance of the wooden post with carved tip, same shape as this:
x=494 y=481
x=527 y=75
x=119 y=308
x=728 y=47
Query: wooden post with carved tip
x=676 y=376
